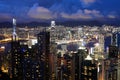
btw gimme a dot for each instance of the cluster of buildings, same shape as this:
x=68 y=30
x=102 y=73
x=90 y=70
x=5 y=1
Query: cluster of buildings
x=63 y=53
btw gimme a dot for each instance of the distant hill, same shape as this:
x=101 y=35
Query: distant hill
x=5 y=24
x=66 y=23
x=31 y=24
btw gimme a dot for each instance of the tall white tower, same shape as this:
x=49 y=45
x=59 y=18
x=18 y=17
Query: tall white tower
x=14 y=35
x=52 y=23
x=53 y=32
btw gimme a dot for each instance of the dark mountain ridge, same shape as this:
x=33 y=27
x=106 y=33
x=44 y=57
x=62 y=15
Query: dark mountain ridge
x=65 y=23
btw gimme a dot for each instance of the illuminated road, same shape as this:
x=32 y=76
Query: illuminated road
x=68 y=41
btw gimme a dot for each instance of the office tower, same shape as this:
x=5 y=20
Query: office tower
x=113 y=48
x=52 y=23
x=53 y=32
x=114 y=39
x=101 y=41
x=2 y=49
x=59 y=63
x=27 y=62
x=78 y=59
x=66 y=67
x=111 y=69
x=65 y=64
x=113 y=52
x=17 y=56
x=34 y=61
x=89 y=69
x=53 y=51
x=43 y=54
x=53 y=61
x=80 y=32
x=14 y=35
x=111 y=64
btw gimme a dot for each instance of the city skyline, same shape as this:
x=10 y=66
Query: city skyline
x=60 y=53
x=59 y=10
x=59 y=40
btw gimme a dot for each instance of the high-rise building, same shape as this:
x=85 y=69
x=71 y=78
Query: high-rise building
x=53 y=51
x=114 y=39
x=17 y=56
x=113 y=48
x=35 y=63
x=43 y=54
x=79 y=58
x=89 y=69
x=53 y=32
x=112 y=64
x=14 y=35
x=113 y=51
x=111 y=69
x=27 y=62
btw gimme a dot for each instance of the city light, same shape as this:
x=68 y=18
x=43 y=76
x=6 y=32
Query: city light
x=60 y=52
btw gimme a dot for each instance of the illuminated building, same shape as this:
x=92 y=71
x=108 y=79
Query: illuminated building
x=53 y=32
x=79 y=58
x=32 y=42
x=67 y=67
x=27 y=62
x=113 y=48
x=101 y=41
x=80 y=32
x=2 y=49
x=43 y=54
x=112 y=64
x=65 y=63
x=14 y=35
x=53 y=61
x=34 y=61
x=111 y=69
x=17 y=56
x=53 y=51
x=89 y=69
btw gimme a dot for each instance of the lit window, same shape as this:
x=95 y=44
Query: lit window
x=90 y=79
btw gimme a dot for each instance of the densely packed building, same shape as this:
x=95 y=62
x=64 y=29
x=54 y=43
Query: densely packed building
x=60 y=52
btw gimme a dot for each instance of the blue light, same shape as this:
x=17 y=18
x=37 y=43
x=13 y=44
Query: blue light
x=23 y=50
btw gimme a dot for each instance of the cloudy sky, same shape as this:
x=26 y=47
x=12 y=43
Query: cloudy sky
x=59 y=10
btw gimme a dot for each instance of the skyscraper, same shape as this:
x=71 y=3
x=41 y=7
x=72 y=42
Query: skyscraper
x=53 y=32
x=111 y=64
x=14 y=35
x=113 y=48
x=17 y=56
x=53 y=51
x=89 y=69
x=79 y=58
x=43 y=54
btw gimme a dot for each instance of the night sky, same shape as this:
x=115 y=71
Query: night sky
x=59 y=10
